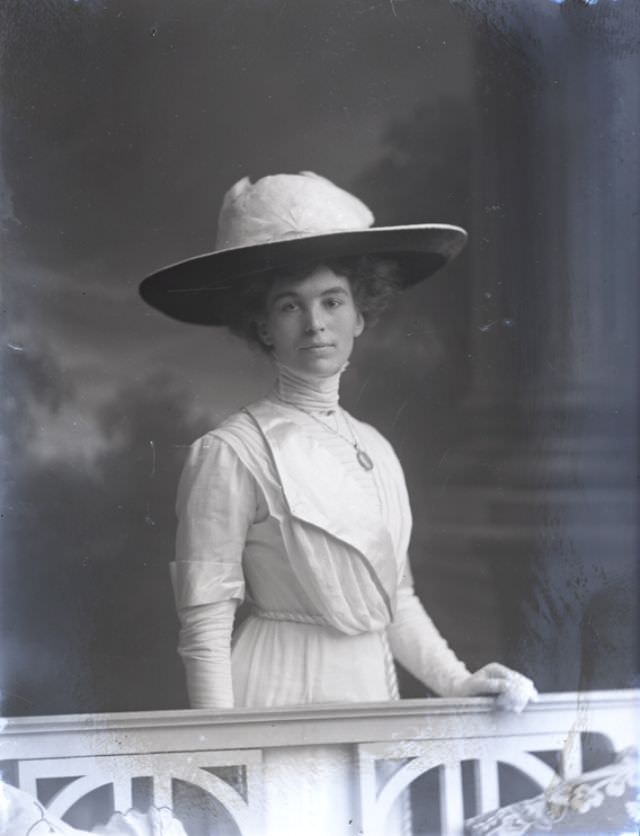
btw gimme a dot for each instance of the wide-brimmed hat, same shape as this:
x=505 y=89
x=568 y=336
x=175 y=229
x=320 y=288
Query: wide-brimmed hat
x=279 y=223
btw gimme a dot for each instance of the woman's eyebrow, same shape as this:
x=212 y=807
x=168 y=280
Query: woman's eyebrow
x=334 y=290
x=283 y=294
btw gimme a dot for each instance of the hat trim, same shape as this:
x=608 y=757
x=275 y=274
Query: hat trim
x=337 y=233
x=331 y=234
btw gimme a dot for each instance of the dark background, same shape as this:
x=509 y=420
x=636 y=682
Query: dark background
x=508 y=384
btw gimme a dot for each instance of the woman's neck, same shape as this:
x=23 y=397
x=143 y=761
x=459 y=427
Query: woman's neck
x=312 y=394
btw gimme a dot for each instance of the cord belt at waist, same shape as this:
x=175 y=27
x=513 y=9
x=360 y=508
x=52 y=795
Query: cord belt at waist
x=296 y=617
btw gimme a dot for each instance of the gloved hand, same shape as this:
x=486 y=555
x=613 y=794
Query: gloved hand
x=513 y=690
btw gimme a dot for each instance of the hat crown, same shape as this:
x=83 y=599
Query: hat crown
x=285 y=206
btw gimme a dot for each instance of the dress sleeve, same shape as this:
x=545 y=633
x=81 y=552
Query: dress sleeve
x=416 y=643
x=216 y=504
x=413 y=637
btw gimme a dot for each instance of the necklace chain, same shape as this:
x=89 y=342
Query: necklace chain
x=364 y=459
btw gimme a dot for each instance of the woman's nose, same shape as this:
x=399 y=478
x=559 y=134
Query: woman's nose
x=315 y=320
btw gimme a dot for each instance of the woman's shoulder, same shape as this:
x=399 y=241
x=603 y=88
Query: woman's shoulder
x=237 y=422
x=234 y=428
x=237 y=435
x=225 y=449
x=219 y=460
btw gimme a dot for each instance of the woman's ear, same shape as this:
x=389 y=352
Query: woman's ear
x=359 y=326
x=263 y=332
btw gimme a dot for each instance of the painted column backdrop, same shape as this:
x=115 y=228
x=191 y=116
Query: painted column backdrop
x=508 y=384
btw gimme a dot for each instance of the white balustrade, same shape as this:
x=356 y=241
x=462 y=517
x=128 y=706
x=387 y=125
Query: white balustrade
x=345 y=768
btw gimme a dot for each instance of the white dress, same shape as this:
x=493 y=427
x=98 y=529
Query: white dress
x=273 y=506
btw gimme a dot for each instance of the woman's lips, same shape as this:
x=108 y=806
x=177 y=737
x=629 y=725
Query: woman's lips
x=320 y=347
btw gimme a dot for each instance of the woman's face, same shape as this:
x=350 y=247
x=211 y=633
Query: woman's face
x=310 y=324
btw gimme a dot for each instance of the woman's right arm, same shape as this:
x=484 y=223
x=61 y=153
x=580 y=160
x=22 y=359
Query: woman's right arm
x=204 y=645
x=216 y=504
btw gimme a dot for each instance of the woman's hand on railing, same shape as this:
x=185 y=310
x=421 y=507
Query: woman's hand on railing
x=512 y=689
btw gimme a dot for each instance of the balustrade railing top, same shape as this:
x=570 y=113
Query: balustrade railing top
x=351 y=763
x=420 y=719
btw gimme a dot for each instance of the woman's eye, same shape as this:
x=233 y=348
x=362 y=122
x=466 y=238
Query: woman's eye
x=288 y=307
x=333 y=302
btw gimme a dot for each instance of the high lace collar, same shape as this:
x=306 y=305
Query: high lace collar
x=309 y=394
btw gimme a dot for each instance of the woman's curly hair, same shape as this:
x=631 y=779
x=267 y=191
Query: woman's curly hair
x=374 y=284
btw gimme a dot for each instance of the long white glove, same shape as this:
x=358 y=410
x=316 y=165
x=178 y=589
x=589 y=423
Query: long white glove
x=416 y=643
x=205 y=648
x=514 y=690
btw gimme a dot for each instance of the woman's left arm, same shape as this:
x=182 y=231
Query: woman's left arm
x=419 y=647
x=415 y=640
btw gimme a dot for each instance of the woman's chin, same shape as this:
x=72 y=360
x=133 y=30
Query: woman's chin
x=320 y=367
x=321 y=363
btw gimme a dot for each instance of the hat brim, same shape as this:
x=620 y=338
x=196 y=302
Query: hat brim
x=202 y=290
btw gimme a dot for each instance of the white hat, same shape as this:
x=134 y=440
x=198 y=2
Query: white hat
x=286 y=220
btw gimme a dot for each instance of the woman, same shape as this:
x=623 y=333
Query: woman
x=293 y=503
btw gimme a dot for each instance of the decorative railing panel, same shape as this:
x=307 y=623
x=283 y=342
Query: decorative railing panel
x=347 y=769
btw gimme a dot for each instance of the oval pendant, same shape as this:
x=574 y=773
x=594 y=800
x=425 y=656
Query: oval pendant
x=364 y=460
